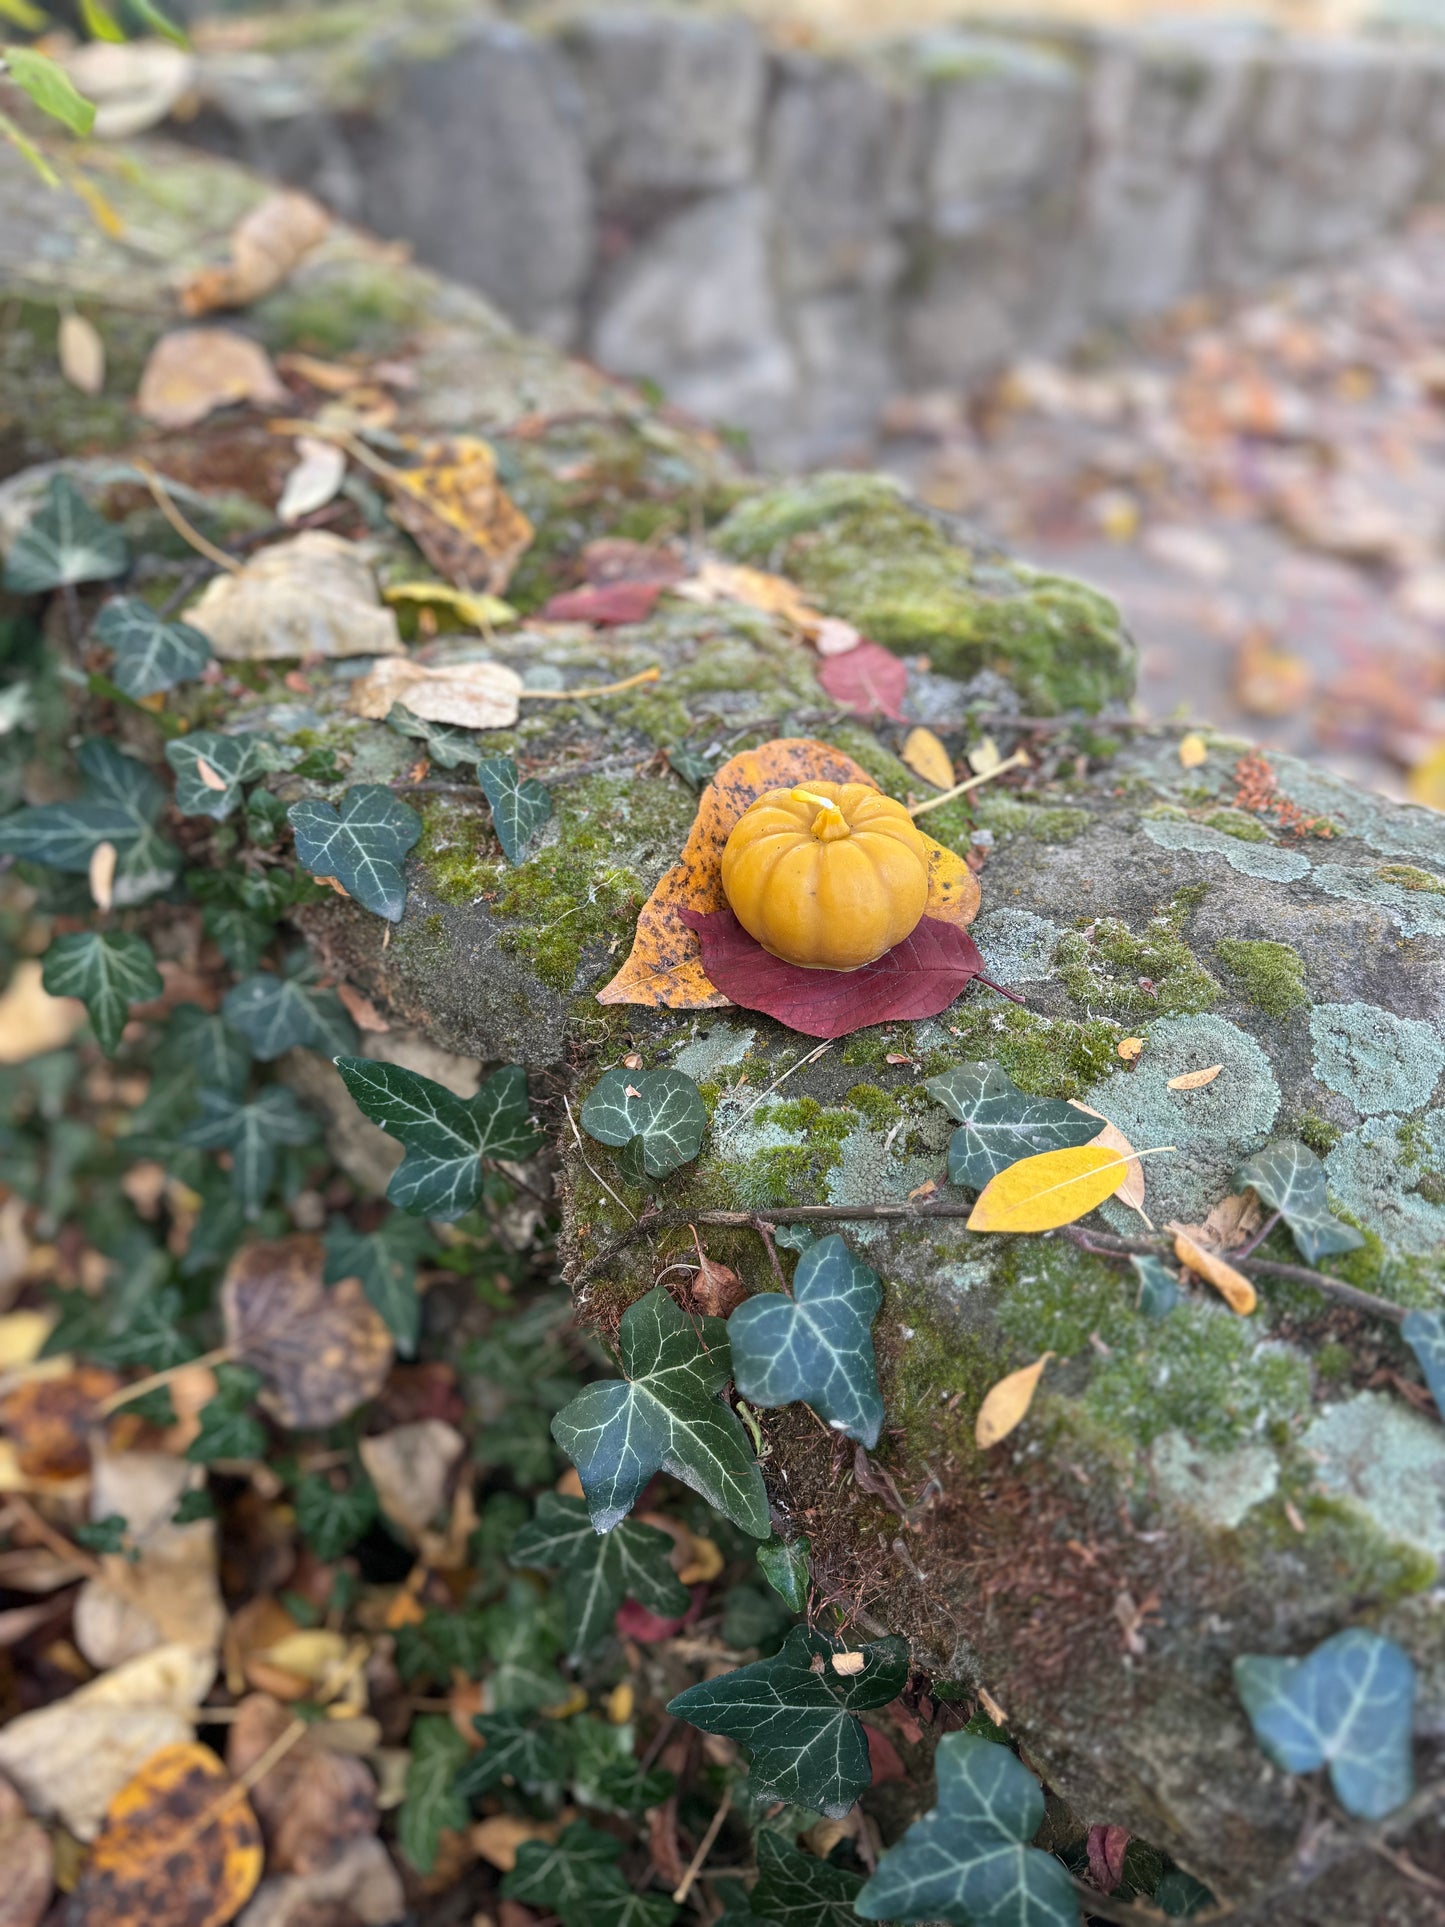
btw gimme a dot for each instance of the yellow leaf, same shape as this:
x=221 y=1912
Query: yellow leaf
x=1006 y=1404
x=924 y=754
x=1426 y=781
x=265 y=246
x=99 y=207
x=1053 y=1188
x=1194 y=1080
x=1192 y=750
x=102 y=874
x=478 y=611
x=1233 y=1287
x=82 y=354
x=312 y=1653
x=620 y=1703
x=1131 y=1191
x=563 y=1709
x=1129 y=1048
x=985 y=758
x=773 y=594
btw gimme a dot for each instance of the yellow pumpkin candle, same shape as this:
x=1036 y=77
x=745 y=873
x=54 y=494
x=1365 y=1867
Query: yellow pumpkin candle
x=828 y=875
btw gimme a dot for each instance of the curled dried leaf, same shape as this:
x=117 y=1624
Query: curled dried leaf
x=1006 y=1404
x=1129 y=1048
x=1233 y=1287
x=1194 y=1080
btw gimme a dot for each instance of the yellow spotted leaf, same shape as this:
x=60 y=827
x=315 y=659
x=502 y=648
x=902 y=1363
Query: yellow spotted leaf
x=459 y=515
x=1051 y=1189
x=180 y=1847
x=469 y=606
x=1233 y=1287
x=1006 y=1404
x=927 y=757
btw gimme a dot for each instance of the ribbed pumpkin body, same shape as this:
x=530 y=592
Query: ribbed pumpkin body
x=828 y=875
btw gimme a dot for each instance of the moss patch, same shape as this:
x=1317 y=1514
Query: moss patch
x=1248 y=829
x=1044 y=822
x=1107 y=967
x=1271 y=975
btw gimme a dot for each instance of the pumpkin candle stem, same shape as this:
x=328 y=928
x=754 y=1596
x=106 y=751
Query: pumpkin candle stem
x=829 y=824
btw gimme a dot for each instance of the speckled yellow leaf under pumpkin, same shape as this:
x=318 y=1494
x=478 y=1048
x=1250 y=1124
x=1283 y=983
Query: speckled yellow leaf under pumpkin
x=1053 y=1188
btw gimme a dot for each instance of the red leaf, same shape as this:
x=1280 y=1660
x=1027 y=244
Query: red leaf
x=917 y=978
x=606 y=604
x=883 y=1757
x=636 y=1622
x=1106 y=1856
x=868 y=679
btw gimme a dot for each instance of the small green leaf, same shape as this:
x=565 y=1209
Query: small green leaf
x=385 y=1261
x=798 y=1890
x=103 y=1535
x=969 y=1859
x=251 y=1132
x=695 y=768
x=1347 y=1705
x=151 y=654
x=1180 y=1895
x=54 y=93
x=662 y=1110
x=446 y=1136
x=794 y=1237
x=148 y=1337
x=193 y=1506
x=786 y=1567
x=363 y=846
x=432 y=1805
x=1291 y=1180
x=332 y=1518
x=816 y=1346
x=523 y=1644
x=228 y=1429
x=100 y=22
x=118 y=804
x=160 y=23
x=577 y=1879
x=444 y=743
x=534 y=1757
x=108 y=973
x=1424 y=1333
x=664 y=1417
x=241 y=937
x=605 y=1772
x=520 y=806
x=1000 y=1124
x=233 y=760
x=1158 y=1286
x=277 y=1012
x=797 y=1714
x=599 y=1570
x=442 y=1643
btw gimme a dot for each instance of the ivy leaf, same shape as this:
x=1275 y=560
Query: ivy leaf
x=276 y=1011
x=968 y=1860
x=664 y=1417
x=229 y=1430
x=1424 y=1333
x=662 y=1110
x=798 y=1716
x=785 y=1564
x=523 y=1645
x=442 y=1643
x=446 y=1136
x=1347 y=1705
x=444 y=743
x=54 y=93
x=607 y=1775
x=1179 y=1895
x=108 y=973
x=1000 y=1124
x=250 y=1131
x=694 y=767
x=534 y=1757
x=1291 y=1180
x=520 y=805
x=385 y=1260
x=816 y=1346
x=65 y=541
x=198 y=1050
x=332 y=1518
x=151 y=654
x=576 y=1878
x=231 y=761
x=1158 y=1286
x=798 y=1890
x=599 y=1570
x=241 y=937
x=432 y=1805
x=362 y=847
x=118 y=804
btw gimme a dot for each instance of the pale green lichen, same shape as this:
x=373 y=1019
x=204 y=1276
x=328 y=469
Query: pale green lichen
x=1017 y=946
x=1250 y=859
x=1218 y=1488
x=1379 y=1061
x=1364 y=1174
x=1271 y=975
x=1236 y=823
x=1416 y=908
x=1375 y=1453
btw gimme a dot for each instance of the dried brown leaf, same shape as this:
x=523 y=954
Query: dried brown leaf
x=469 y=695
x=312 y=595
x=459 y=515
x=164 y=1588
x=1233 y=1287
x=322 y=1350
x=266 y=245
x=82 y=354
x=194 y=371
x=1194 y=1080
x=313 y=1802
x=411 y=1466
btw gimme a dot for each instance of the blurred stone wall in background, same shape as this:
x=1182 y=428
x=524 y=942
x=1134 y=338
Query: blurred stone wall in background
x=783 y=239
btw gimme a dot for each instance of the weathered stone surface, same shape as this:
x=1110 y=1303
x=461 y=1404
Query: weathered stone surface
x=1186 y=1488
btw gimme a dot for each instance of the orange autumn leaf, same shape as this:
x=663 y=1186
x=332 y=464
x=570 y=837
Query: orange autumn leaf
x=180 y=1847
x=774 y=595
x=665 y=967
x=925 y=754
x=1006 y=1404
x=1233 y=1287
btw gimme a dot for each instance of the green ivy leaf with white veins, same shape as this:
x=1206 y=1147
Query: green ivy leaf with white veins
x=1000 y=1123
x=816 y=1346
x=251 y=1132
x=332 y=1518
x=534 y=1757
x=432 y=1805
x=658 y=1116
x=211 y=768
x=1348 y=1705
x=1291 y=1180
x=445 y=744
x=664 y=1417
x=119 y=804
x=969 y=1859
x=1424 y=1333
x=275 y=1011
x=65 y=541
x=798 y=1890
x=385 y=1261
x=446 y=1136
x=797 y=1713
x=108 y=973
x=787 y=1566
x=520 y=805
x=599 y=1570
x=363 y=845
x=151 y=654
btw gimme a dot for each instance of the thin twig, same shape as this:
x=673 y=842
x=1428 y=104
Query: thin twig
x=765 y=1232
x=582 y=1153
x=811 y=1058
x=1256 y=1241
x=1019 y=760
x=654 y=674
x=48 y=1536
x=168 y=1377
x=684 y=1886
x=1104 y=1246
x=188 y=534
